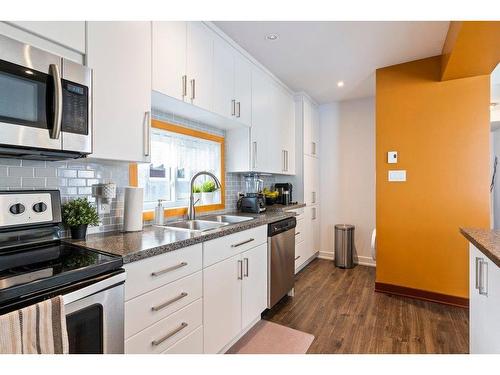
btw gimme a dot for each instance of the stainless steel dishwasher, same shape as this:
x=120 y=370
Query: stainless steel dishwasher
x=281 y=259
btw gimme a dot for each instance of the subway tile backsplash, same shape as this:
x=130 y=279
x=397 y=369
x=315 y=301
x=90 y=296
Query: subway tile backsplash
x=74 y=178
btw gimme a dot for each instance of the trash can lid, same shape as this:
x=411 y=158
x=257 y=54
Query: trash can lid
x=344 y=226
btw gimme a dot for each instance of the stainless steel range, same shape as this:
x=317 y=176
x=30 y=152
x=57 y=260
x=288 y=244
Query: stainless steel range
x=35 y=264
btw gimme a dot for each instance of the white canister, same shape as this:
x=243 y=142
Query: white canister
x=133 y=206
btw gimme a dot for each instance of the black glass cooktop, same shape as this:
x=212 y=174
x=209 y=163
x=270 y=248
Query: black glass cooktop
x=31 y=270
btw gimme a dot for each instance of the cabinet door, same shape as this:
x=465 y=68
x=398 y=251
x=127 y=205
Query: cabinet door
x=311 y=180
x=224 y=101
x=307 y=119
x=199 y=64
x=169 y=58
x=315 y=229
x=67 y=33
x=221 y=303
x=120 y=54
x=315 y=131
x=286 y=124
x=243 y=89
x=254 y=293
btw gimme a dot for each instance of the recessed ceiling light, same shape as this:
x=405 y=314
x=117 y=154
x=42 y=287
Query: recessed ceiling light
x=492 y=106
x=272 y=36
x=340 y=84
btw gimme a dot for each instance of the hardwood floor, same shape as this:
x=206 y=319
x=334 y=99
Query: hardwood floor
x=341 y=309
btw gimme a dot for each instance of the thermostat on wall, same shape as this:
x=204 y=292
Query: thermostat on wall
x=392 y=157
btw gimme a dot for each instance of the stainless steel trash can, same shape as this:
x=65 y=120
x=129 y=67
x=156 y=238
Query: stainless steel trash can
x=344 y=245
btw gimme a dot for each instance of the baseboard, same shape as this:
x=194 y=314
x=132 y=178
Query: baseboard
x=422 y=294
x=362 y=260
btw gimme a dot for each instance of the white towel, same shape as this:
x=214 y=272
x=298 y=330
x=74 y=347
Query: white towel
x=36 y=329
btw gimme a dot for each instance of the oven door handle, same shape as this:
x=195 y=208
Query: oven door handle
x=94 y=288
x=58 y=101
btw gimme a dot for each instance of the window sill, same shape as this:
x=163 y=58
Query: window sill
x=180 y=211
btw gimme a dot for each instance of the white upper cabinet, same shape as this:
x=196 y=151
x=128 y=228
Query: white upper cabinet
x=285 y=122
x=311 y=128
x=120 y=54
x=169 y=58
x=224 y=102
x=243 y=90
x=70 y=34
x=199 y=64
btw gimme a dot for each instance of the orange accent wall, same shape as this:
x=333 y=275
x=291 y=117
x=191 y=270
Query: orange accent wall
x=441 y=132
x=471 y=48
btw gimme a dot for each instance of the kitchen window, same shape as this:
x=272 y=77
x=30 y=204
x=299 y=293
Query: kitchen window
x=177 y=153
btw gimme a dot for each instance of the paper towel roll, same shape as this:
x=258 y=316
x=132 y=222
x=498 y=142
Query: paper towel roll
x=132 y=213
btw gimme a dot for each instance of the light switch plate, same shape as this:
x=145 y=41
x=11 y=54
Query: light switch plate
x=392 y=157
x=397 y=176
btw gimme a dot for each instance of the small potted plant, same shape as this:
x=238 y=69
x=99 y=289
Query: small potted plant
x=78 y=214
x=207 y=192
x=197 y=193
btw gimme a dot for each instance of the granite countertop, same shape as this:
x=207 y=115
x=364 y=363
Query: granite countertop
x=486 y=240
x=153 y=240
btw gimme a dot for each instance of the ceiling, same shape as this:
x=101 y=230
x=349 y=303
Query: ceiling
x=314 y=56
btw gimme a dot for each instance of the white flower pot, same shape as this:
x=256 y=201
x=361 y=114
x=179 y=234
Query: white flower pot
x=207 y=198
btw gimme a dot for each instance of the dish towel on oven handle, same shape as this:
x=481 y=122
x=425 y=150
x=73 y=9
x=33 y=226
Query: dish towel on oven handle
x=36 y=329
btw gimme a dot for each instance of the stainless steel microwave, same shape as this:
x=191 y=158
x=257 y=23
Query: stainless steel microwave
x=45 y=104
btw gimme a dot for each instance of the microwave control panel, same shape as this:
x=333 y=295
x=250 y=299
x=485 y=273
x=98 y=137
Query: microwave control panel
x=75 y=108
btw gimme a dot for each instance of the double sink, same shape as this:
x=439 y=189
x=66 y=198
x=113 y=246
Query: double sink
x=207 y=223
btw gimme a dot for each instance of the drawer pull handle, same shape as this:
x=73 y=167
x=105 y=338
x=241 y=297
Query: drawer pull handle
x=297 y=233
x=169 y=269
x=169 y=302
x=242 y=243
x=297 y=257
x=170 y=334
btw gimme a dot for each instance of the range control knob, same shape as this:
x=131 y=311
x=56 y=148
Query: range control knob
x=17 y=209
x=39 y=207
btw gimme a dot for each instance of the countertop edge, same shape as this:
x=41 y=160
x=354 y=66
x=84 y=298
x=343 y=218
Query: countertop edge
x=482 y=247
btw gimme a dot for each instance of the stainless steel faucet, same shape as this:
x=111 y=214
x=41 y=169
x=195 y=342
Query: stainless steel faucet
x=218 y=185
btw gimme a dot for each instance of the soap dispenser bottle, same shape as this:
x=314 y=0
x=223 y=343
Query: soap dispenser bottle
x=159 y=213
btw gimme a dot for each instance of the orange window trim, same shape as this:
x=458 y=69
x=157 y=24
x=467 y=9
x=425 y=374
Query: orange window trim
x=179 y=211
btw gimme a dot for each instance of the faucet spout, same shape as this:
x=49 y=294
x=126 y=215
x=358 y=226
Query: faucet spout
x=218 y=185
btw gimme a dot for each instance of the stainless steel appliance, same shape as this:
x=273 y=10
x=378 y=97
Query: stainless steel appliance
x=253 y=201
x=45 y=104
x=284 y=193
x=281 y=259
x=35 y=264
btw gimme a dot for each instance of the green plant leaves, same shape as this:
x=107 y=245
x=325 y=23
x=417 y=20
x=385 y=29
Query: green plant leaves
x=79 y=212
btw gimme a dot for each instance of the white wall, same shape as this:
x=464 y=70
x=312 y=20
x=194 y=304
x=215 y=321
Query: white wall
x=347 y=166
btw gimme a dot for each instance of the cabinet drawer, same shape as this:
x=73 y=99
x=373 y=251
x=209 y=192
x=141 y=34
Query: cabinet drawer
x=160 y=336
x=224 y=247
x=151 y=273
x=299 y=231
x=153 y=306
x=191 y=344
x=300 y=253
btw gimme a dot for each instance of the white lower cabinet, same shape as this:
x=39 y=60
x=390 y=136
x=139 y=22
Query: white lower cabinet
x=306 y=235
x=484 y=300
x=197 y=299
x=234 y=296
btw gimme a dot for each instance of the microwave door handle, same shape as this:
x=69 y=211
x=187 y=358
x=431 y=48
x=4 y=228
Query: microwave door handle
x=57 y=118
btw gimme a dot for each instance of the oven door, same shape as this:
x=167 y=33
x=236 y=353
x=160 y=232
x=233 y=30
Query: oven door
x=30 y=96
x=95 y=317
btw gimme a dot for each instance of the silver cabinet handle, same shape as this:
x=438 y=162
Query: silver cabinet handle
x=286 y=160
x=314 y=213
x=478 y=270
x=169 y=269
x=238 y=109
x=242 y=243
x=169 y=302
x=58 y=101
x=314 y=197
x=314 y=148
x=283 y=163
x=297 y=233
x=245 y=260
x=233 y=107
x=169 y=335
x=147 y=133
x=297 y=257
x=483 y=282
x=193 y=89
x=184 y=86
x=240 y=270
x=254 y=155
